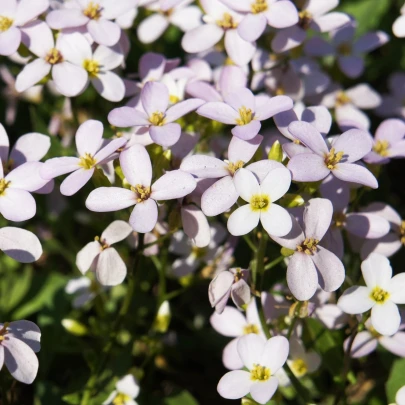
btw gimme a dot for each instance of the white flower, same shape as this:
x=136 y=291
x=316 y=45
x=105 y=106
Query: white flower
x=400 y=397
x=263 y=360
x=260 y=197
x=381 y=294
x=126 y=390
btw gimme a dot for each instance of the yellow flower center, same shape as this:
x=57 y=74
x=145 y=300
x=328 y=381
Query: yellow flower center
x=121 y=399
x=305 y=19
x=53 y=57
x=103 y=244
x=227 y=22
x=238 y=275
x=157 y=118
x=92 y=67
x=87 y=161
x=402 y=232
x=142 y=192
x=260 y=202
x=333 y=158
x=280 y=91
x=4 y=330
x=92 y=11
x=3 y=186
x=197 y=252
x=259 y=6
x=379 y=295
x=309 y=246
x=233 y=167
x=250 y=328
x=341 y=99
x=339 y=219
x=345 y=49
x=381 y=147
x=259 y=373
x=245 y=116
x=299 y=367
x=5 y=23
x=174 y=99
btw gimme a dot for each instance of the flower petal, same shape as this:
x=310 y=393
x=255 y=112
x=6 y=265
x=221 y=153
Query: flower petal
x=317 y=217
x=309 y=136
x=243 y=220
x=355 y=173
x=111 y=269
x=136 y=165
x=165 y=135
x=107 y=199
x=367 y=225
x=240 y=51
x=75 y=181
x=89 y=137
x=201 y=38
x=377 y=271
x=70 y=80
x=184 y=107
x=250 y=349
x=275 y=353
x=172 y=185
x=29 y=148
x=246 y=184
x=104 y=32
x=276 y=221
x=204 y=166
x=218 y=111
x=234 y=384
x=239 y=149
x=230 y=323
x=116 y=232
x=355 y=144
x=272 y=106
x=276 y=183
x=125 y=117
x=26 y=331
x=395 y=344
x=230 y=356
x=397 y=288
x=262 y=391
x=110 y=86
x=57 y=166
x=248 y=131
x=252 y=26
x=195 y=225
x=355 y=300
x=85 y=257
x=10 y=41
x=155 y=97
x=308 y=167
x=151 y=28
x=17 y=205
x=31 y=74
x=144 y=216
x=363 y=344
x=385 y=318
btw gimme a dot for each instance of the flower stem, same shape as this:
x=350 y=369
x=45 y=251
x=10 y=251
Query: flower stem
x=275 y=262
x=91 y=383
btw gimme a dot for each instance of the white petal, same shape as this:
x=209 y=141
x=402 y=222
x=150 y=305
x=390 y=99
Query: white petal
x=276 y=183
x=356 y=300
x=250 y=349
x=85 y=257
x=276 y=220
x=111 y=269
x=230 y=323
x=386 y=318
x=116 y=232
x=70 y=80
x=243 y=220
x=377 y=271
x=235 y=384
x=246 y=184
x=144 y=216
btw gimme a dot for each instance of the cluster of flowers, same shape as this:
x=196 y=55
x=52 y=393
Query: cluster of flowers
x=295 y=181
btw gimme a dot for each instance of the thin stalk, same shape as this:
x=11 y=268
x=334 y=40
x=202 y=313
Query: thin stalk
x=275 y=262
x=250 y=243
x=91 y=383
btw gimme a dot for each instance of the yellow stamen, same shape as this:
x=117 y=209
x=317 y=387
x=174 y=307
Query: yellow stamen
x=379 y=295
x=157 y=118
x=143 y=193
x=305 y=19
x=299 y=367
x=259 y=373
x=339 y=219
x=280 y=91
x=238 y=275
x=341 y=99
x=87 y=161
x=5 y=23
x=250 y=328
x=103 y=244
x=260 y=202
x=381 y=147
x=121 y=399
x=227 y=22
x=3 y=186
x=333 y=158
x=53 y=57
x=4 y=330
x=92 y=67
x=402 y=232
x=246 y=116
x=309 y=246
x=92 y=11
x=174 y=99
x=197 y=252
x=233 y=167
x=259 y=6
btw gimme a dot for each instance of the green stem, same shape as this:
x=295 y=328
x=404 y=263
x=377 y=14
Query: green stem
x=250 y=243
x=303 y=396
x=294 y=320
x=160 y=267
x=91 y=383
x=275 y=262
x=4 y=389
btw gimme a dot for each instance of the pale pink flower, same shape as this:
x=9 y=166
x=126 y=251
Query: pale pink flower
x=19 y=341
x=398 y=28
x=95 y=16
x=14 y=15
x=69 y=79
x=110 y=268
x=126 y=390
x=137 y=168
x=89 y=138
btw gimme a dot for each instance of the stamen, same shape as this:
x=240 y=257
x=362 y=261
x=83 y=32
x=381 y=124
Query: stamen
x=3 y=186
x=339 y=219
x=143 y=193
x=305 y=19
x=157 y=118
x=260 y=202
x=121 y=399
x=238 y=275
x=402 y=232
x=103 y=244
x=233 y=167
x=54 y=56
x=5 y=23
x=92 y=67
x=197 y=252
x=227 y=22
x=259 y=6
x=299 y=367
x=381 y=147
x=174 y=99
x=259 y=373
x=4 y=330
x=309 y=246
x=379 y=295
x=246 y=116
x=250 y=328
x=87 y=161
x=92 y=11
x=341 y=99
x=333 y=158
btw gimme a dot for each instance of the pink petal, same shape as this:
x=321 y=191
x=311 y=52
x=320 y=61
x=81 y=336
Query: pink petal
x=136 y=165
x=116 y=232
x=276 y=221
x=239 y=149
x=89 y=137
x=111 y=269
x=367 y=225
x=29 y=148
x=308 y=167
x=172 y=185
x=27 y=176
x=86 y=256
x=282 y=14
x=195 y=225
x=201 y=38
x=70 y=80
x=151 y=28
x=240 y=51
x=20 y=244
x=386 y=318
x=273 y=106
x=317 y=217
x=110 y=86
x=155 y=97
x=105 y=154
x=17 y=205
x=330 y=21
x=10 y=41
x=243 y=220
x=309 y=136
x=391 y=130
x=230 y=323
x=27 y=332
x=186 y=18
x=248 y=131
x=230 y=356
x=127 y=117
x=263 y=391
x=57 y=166
x=31 y=74
x=355 y=143
x=250 y=349
x=395 y=344
x=288 y=38
x=38 y=38
x=104 y=32
x=355 y=174
x=219 y=290
x=204 y=166
x=75 y=181
x=363 y=344
x=165 y=135
x=351 y=66
x=219 y=197
x=183 y=108
x=107 y=199
x=235 y=384
x=144 y=216
x=293 y=238
x=218 y=111
x=66 y=18
x=252 y=26
x=319 y=117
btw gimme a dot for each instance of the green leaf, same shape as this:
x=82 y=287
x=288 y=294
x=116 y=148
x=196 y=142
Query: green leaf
x=286 y=252
x=73 y=399
x=100 y=179
x=396 y=379
x=276 y=152
x=183 y=398
x=290 y=200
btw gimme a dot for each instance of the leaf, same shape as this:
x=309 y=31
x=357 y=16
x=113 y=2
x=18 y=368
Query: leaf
x=290 y=200
x=183 y=398
x=276 y=152
x=73 y=399
x=100 y=179
x=396 y=379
